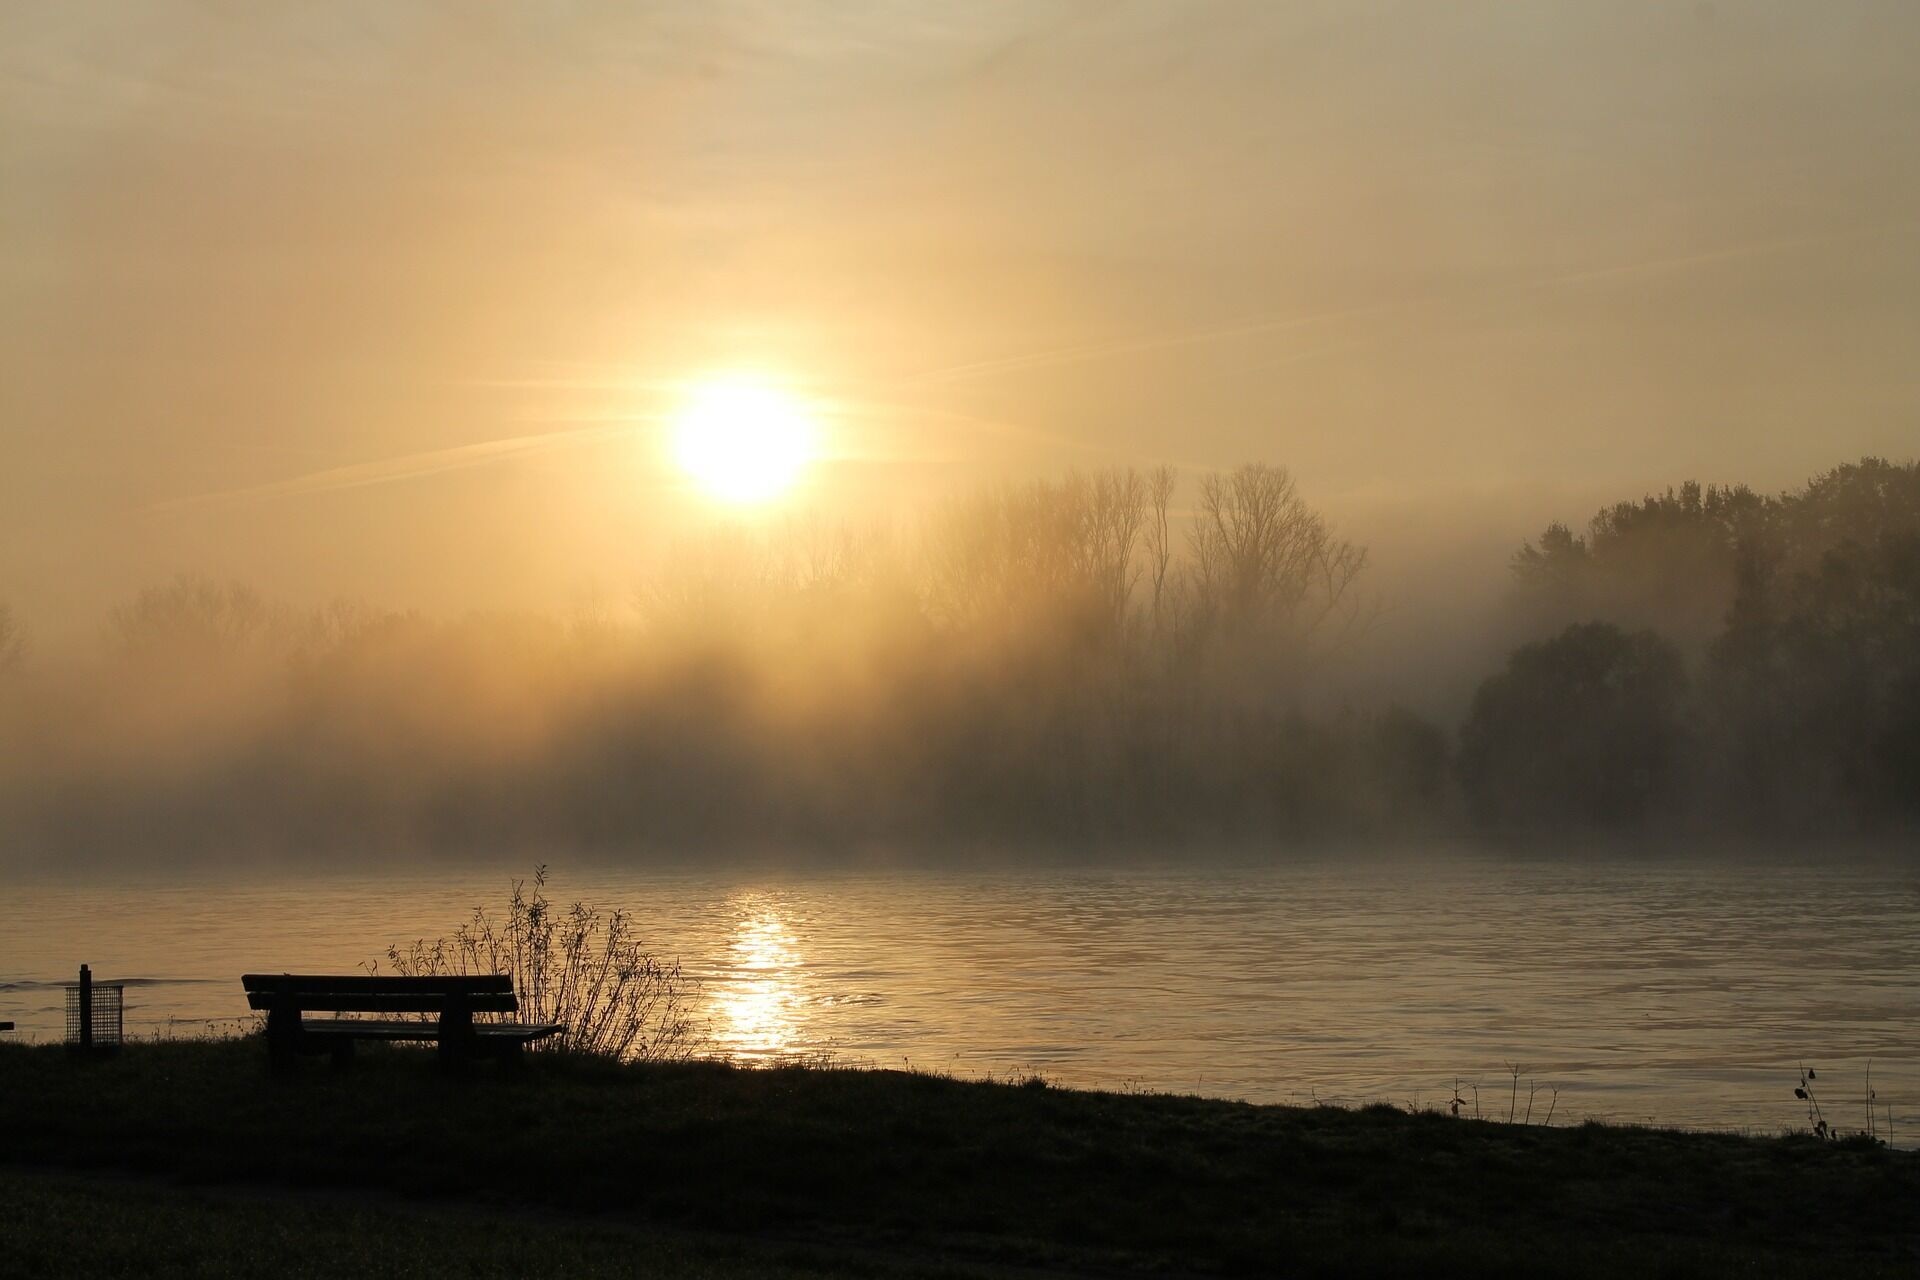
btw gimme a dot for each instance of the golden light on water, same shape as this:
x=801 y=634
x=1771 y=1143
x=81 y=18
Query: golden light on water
x=743 y=440
x=756 y=1004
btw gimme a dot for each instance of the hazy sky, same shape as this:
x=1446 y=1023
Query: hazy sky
x=1460 y=265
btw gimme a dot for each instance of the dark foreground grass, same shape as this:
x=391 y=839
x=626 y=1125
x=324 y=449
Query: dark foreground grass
x=61 y=1225
x=907 y=1173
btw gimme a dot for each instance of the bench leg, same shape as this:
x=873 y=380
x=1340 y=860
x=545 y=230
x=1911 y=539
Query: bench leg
x=453 y=1053
x=283 y=1040
x=456 y=1034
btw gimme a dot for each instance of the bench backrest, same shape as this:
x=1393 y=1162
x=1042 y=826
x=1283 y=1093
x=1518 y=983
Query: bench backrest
x=359 y=993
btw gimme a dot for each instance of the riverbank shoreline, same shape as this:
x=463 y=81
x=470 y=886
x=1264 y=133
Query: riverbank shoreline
x=894 y=1172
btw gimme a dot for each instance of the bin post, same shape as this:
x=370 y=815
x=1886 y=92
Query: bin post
x=86 y=1008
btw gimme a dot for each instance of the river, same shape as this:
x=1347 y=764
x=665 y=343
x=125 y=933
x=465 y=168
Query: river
x=1674 y=993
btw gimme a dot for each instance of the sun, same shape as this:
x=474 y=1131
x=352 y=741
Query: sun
x=742 y=440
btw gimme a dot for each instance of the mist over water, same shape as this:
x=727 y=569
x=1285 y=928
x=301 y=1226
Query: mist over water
x=1671 y=992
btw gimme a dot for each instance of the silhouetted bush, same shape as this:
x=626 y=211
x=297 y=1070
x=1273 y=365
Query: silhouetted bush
x=582 y=968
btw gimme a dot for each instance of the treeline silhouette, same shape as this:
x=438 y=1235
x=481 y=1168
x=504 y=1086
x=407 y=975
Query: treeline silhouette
x=1101 y=660
x=1728 y=661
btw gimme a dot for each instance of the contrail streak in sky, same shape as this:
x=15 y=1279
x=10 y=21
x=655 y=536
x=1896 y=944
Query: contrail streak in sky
x=432 y=462
x=404 y=467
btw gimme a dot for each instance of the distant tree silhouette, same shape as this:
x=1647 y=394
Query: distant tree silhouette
x=1264 y=559
x=1813 y=692
x=1859 y=503
x=1674 y=562
x=195 y=616
x=1409 y=760
x=1158 y=542
x=1583 y=728
x=1063 y=555
x=1069 y=659
x=1667 y=561
x=1268 y=589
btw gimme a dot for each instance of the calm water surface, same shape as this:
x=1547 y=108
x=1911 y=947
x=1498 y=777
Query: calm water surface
x=1681 y=995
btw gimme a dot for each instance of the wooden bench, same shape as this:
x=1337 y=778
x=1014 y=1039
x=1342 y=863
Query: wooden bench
x=287 y=997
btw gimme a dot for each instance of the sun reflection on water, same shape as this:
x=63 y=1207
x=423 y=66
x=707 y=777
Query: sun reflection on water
x=757 y=997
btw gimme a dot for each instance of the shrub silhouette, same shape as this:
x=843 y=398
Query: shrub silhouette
x=581 y=967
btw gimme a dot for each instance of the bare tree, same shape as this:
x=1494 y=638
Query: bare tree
x=1064 y=555
x=197 y=615
x=1264 y=562
x=1110 y=507
x=716 y=583
x=965 y=553
x=1159 y=538
x=825 y=558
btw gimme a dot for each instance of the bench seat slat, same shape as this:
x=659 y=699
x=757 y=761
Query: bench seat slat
x=287 y=997
x=372 y=1029
x=400 y=1002
x=371 y=984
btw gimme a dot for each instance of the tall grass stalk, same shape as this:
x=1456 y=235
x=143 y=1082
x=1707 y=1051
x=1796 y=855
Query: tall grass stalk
x=1816 y=1119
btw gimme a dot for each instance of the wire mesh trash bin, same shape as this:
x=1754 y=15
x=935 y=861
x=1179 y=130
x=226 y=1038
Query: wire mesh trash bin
x=94 y=1012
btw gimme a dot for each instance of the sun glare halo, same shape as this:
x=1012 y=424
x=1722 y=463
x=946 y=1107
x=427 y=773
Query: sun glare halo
x=742 y=441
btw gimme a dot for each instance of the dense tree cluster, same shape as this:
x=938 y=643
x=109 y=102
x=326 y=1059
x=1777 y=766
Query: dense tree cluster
x=1581 y=729
x=1799 y=619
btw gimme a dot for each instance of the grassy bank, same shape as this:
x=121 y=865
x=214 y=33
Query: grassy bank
x=887 y=1172
x=58 y=1225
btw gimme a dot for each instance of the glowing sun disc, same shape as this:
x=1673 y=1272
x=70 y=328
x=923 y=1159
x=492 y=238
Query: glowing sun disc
x=742 y=441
